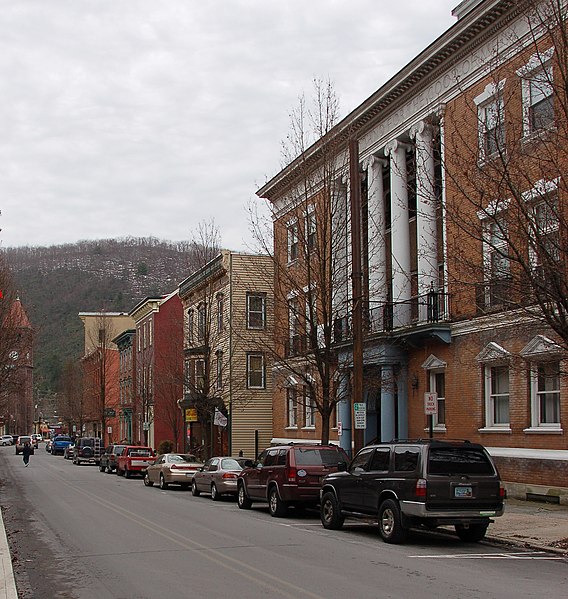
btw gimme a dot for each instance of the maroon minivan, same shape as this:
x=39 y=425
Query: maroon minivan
x=288 y=475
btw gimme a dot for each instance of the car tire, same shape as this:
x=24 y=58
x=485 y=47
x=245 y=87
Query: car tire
x=147 y=481
x=215 y=495
x=108 y=469
x=194 y=490
x=101 y=468
x=163 y=484
x=472 y=533
x=391 y=528
x=127 y=473
x=243 y=501
x=330 y=513
x=276 y=506
x=119 y=472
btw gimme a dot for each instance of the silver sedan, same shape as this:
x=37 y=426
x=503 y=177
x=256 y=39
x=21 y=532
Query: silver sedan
x=172 y=469
x=218 y=476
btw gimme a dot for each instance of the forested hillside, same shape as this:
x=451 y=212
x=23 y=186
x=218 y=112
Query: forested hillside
x=56 y=283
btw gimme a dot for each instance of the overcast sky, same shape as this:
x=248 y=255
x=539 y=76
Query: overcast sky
x=143 y=117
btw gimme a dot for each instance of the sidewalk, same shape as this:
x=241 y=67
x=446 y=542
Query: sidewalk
x=532 y=525
x=7 y=583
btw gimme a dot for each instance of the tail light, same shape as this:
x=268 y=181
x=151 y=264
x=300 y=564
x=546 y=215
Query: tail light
x=291 y=474
x=502 y=491
x=421 y=487
x=230 y=475
x=174 y=467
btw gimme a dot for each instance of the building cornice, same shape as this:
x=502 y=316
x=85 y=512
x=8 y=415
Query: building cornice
x=474 y=28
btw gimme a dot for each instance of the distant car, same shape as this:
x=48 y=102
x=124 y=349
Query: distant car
x=134 y=459
x=172 y=469
x=88 y=450
x=60 y=443
x=22 y=440
x=37 y=438
x=288 y=475
x=6 y=440
x=108 y=459
x=68 y=451
x=218 y=476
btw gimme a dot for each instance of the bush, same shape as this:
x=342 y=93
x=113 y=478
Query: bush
x=165 y=446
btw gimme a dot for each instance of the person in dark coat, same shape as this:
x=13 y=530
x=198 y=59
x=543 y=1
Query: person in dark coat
x=27 y=452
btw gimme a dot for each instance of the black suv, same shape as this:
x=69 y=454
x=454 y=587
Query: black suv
x=416 y=483
x=288 y=475
x=109 y=457
x=87 y=449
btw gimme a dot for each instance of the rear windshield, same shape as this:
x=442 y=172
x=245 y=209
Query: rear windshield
x=317 y=457
x=459 y=460
x=140 y=453
x=61 y=438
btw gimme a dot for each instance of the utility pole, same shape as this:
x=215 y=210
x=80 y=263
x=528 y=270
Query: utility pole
x=357 y=288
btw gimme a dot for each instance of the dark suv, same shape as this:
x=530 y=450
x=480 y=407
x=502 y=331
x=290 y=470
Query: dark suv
x=416 y=483
x=288 y=475
x=87 y=449
x=108 y=458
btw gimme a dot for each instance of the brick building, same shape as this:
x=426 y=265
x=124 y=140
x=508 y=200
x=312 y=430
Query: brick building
x=461 y=226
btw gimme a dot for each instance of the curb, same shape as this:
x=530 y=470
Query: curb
x=7 y=582
x=525 y=545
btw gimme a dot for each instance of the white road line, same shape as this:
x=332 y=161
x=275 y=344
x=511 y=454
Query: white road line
x=529 y=555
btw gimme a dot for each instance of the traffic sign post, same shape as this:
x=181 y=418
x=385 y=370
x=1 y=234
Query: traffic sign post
x=360 y=414
x=431 y=408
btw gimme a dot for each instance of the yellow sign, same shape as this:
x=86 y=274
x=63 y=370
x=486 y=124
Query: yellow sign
x=191 y=415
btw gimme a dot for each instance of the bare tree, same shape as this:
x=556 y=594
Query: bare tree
x=71 y=396
x=505 y=168
x=310 y=247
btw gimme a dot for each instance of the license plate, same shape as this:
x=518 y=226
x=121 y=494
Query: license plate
x=139 y=463
x=463 y=492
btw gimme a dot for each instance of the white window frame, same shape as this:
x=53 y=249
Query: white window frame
x=220 y=312
x=536 y=395
x=540 y=62
x=311 y=228
x=441 y=400
x=293 y=237
x=491 y=96
x=491 y=396
x=309 y=409
x=250 y=357
x=200 y=374
x=291 y=407
x=262 y=296
x=491 y=248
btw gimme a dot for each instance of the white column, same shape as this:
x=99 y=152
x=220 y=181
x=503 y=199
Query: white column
x=376 y=240
x=400 y=233
x=426 y=231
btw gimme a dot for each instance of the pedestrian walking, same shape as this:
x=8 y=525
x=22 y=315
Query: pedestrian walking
x=27 y=452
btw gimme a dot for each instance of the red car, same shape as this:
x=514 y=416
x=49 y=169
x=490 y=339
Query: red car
x=134 y=459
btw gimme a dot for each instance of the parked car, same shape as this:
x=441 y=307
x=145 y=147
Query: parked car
x=416 y=483
x=59 y=444
x=68 y=452
x=22 y=440
x=288 y=475
x=88 y=450
x=218 y=476
x=6 y=440
x=172 y=469
x=109 y=457
x=37 y=438
x=134 y=459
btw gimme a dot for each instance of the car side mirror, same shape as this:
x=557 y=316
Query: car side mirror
x=341 y=467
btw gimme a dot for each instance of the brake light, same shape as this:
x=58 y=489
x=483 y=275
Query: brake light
x=502 y=491
x=291 y=474
x=230 y=475
x=174 y=467
x=421 y=487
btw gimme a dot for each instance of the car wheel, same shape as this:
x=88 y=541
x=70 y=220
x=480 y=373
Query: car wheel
x=391 y=528
x=330 y=514
x=194 y=490
x=127 y=473
x=119 y=472
x=276 y=506
x=215 y=495
x=108 y=469
x=243 y=500
x=472 y=533
x=163 y=484
x=147 y=481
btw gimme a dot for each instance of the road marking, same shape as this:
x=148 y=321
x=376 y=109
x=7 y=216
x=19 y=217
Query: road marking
x=526 y=555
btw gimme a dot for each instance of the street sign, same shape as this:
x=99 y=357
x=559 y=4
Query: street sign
x=430 y=403
x=339 y=428
x=360 y=413
x=191 y=414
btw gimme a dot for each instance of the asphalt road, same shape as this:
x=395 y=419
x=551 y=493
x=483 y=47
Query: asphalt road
x=77 y=533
